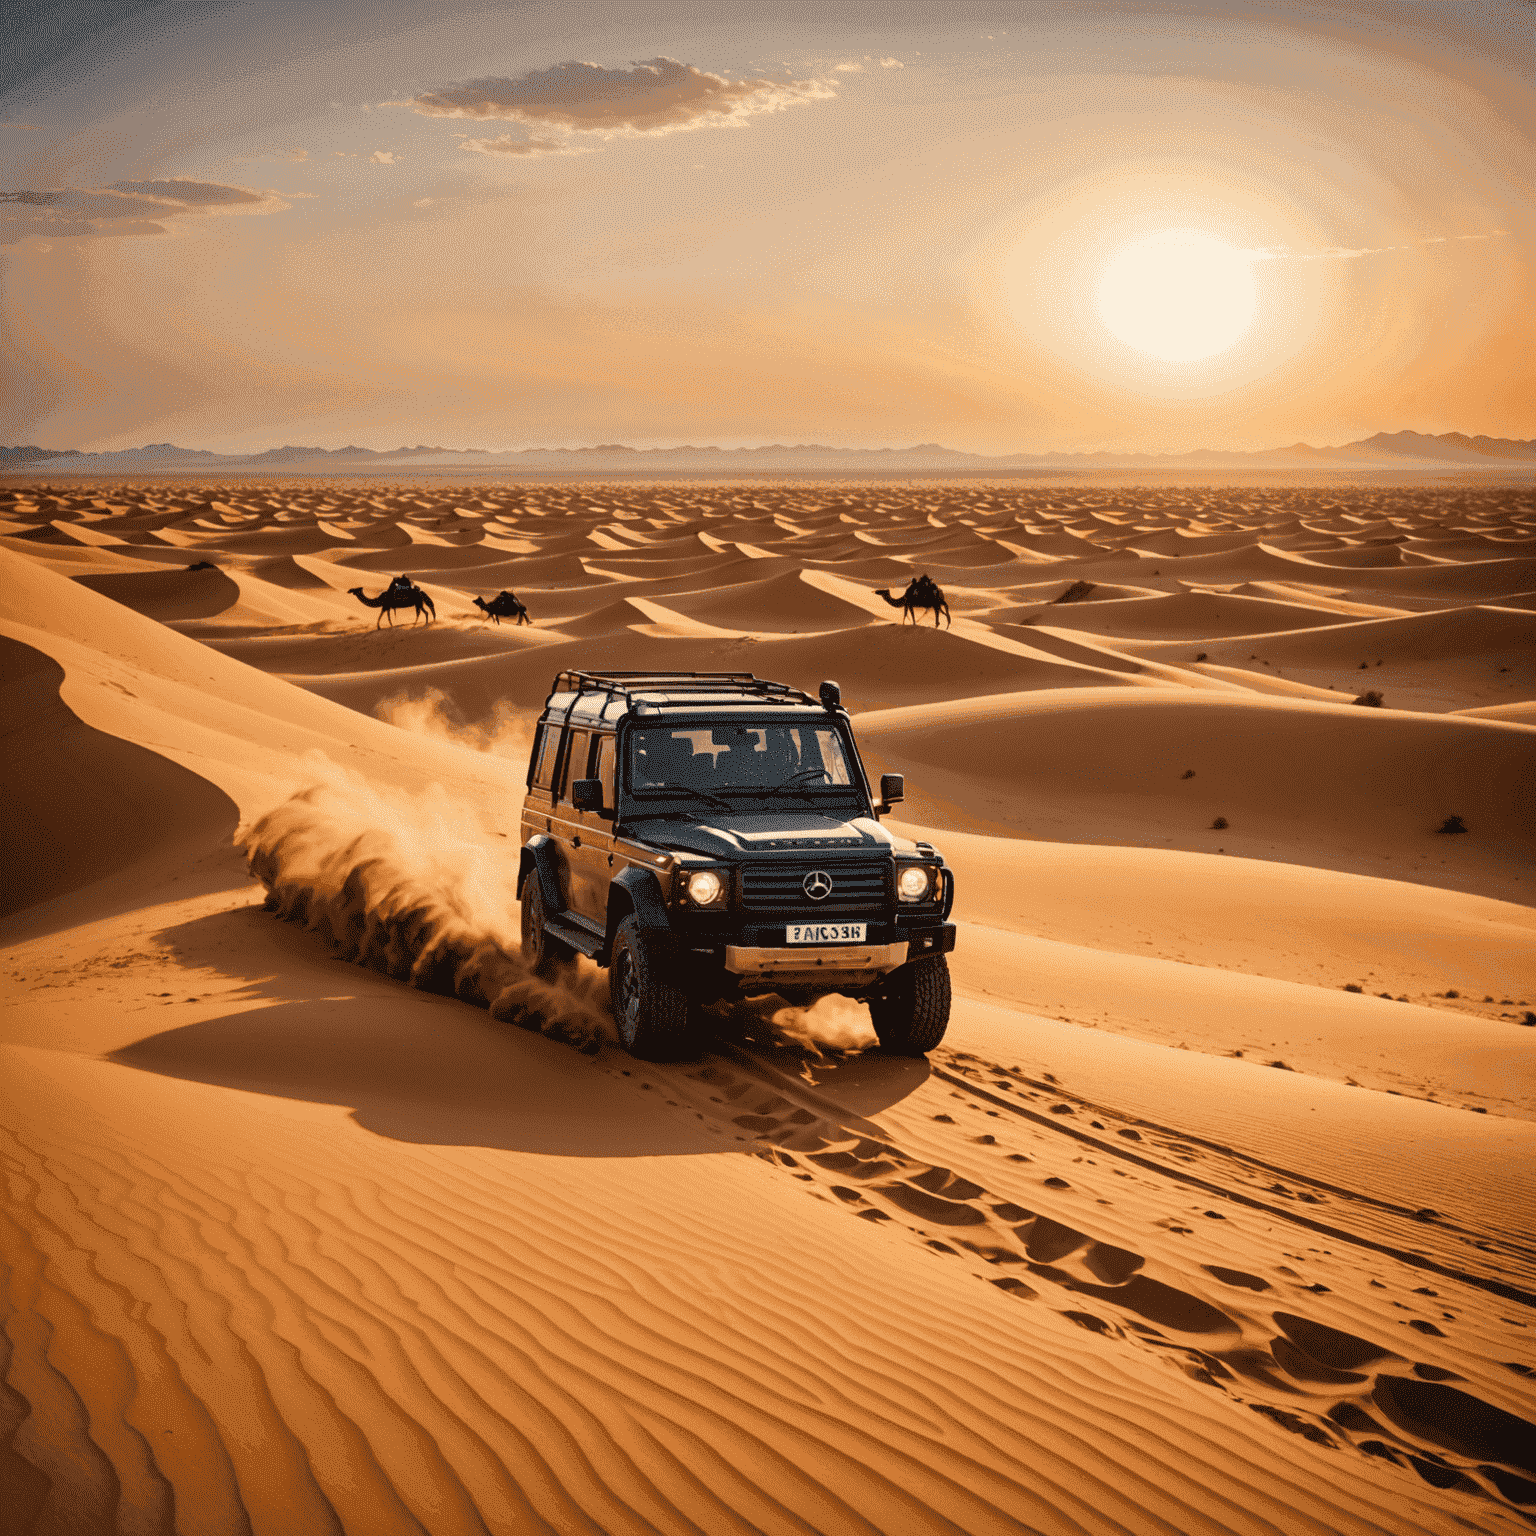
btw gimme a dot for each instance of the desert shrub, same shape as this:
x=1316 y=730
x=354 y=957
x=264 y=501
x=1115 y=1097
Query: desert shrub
x=1220 y=824
x=1075 y=593
x=1364 y=665
x=1201 y=656
x=1452 y=824
x=1351 y=986
x=1452 y=992
x=1188 y=773
x=1370 y=698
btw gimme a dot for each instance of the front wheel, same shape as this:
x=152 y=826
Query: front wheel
x=911 y=1008
x=653 y=1016
x=546 y=957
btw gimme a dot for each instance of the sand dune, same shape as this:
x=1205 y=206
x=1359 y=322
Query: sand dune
x=303 y=1232
x=1307 y=782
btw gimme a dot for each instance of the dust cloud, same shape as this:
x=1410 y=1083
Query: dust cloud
x=419 y=887
x=505 y=733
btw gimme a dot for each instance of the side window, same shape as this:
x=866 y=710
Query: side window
x=574 y=765
x=604 y=771
x=546 y=752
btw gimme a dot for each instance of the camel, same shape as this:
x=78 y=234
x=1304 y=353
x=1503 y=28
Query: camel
x=922 y=592
x=397 y=597
x=504 y=605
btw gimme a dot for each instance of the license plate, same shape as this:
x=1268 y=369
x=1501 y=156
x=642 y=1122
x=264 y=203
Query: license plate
x=824 y=933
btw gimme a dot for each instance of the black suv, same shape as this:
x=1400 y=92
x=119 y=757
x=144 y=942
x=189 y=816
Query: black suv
x=708 y=834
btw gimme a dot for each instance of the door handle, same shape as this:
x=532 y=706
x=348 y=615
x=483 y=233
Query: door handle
x=576 y=841
x=610 y=861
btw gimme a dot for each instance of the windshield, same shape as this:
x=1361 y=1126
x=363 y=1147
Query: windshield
x=739 y=759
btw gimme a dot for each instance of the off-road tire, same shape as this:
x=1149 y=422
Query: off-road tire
x=654 y=1017
x=544 y=955
x=911 y=1008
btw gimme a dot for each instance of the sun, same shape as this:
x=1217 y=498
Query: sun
x=1178 y=296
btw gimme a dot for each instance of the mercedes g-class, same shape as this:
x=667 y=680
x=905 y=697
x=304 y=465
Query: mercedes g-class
x=711 y=834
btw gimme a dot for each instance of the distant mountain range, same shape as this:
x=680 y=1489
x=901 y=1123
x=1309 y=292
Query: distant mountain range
x=1387 y=450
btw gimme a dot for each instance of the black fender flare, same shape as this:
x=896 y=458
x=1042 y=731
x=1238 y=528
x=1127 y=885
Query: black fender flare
x=536 y=855
x=949 y=891
x=639 y=891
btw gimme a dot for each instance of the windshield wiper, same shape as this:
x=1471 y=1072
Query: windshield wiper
x=674 y=790
x=789 y=785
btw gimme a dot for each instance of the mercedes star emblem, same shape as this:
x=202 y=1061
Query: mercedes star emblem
x=817 y=885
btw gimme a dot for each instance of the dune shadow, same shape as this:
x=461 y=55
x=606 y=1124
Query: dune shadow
x=418 y=1067
x=81 y=805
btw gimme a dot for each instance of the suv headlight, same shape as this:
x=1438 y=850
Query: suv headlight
x=915 y=882
x=705 y=888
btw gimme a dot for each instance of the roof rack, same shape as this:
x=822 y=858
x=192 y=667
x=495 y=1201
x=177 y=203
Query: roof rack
x=725 y=685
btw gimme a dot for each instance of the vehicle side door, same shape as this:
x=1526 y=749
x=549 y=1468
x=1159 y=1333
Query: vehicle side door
x=567 y=829
x=541 y=808
x=592 y=856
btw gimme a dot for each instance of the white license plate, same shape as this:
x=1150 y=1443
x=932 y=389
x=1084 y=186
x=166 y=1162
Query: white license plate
x=824 y=933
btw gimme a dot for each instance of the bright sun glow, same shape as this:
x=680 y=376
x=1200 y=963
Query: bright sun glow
x=1178 y=295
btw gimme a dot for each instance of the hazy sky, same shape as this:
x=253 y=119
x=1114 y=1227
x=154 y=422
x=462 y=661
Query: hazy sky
x=237 y=225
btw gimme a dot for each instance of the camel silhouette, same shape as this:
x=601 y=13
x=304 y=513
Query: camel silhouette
x=397 y=597
x=922 y=592
x=504 y=605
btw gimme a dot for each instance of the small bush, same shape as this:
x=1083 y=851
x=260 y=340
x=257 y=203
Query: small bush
x=1370 y=698
x=1350 y=986
x=1188 y=773
x=1283 y=1066
x=1201 y=657
x=1364 y=665
x=1529 y=1021
x=1220 y=824
x=1075 y=593
x=1452 y=992
x=1452 y=824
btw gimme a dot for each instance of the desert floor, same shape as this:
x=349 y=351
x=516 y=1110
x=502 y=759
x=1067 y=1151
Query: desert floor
x=1249 y=1244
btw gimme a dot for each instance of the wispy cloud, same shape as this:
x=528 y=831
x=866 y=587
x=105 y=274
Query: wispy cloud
x=654 y=96
x=383 y=157
x=505 y=144
x=1351 y=253
x=123 y=208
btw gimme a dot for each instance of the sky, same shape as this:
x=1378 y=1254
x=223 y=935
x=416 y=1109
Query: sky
x=1045 y=225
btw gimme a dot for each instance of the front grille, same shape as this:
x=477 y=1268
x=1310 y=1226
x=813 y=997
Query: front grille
x=780 y=887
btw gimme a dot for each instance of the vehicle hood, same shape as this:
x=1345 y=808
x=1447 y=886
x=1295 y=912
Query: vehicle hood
x=729 y=835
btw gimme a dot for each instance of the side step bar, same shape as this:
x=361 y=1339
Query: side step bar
x=574 y=932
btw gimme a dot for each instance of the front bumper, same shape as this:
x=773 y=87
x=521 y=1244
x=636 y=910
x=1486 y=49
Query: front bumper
x=808 y=965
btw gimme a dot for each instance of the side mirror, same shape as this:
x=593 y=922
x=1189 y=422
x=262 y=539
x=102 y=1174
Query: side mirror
x=587 y=794
x=893 y=788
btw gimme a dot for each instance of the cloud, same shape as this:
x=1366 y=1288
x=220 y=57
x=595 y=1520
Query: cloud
x=507 y=145
x=123 y=208
x=202 y=194
x=892 y=64
x=654 y=96
x=1351 y=253
x=847 y=69
x=382 y=157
